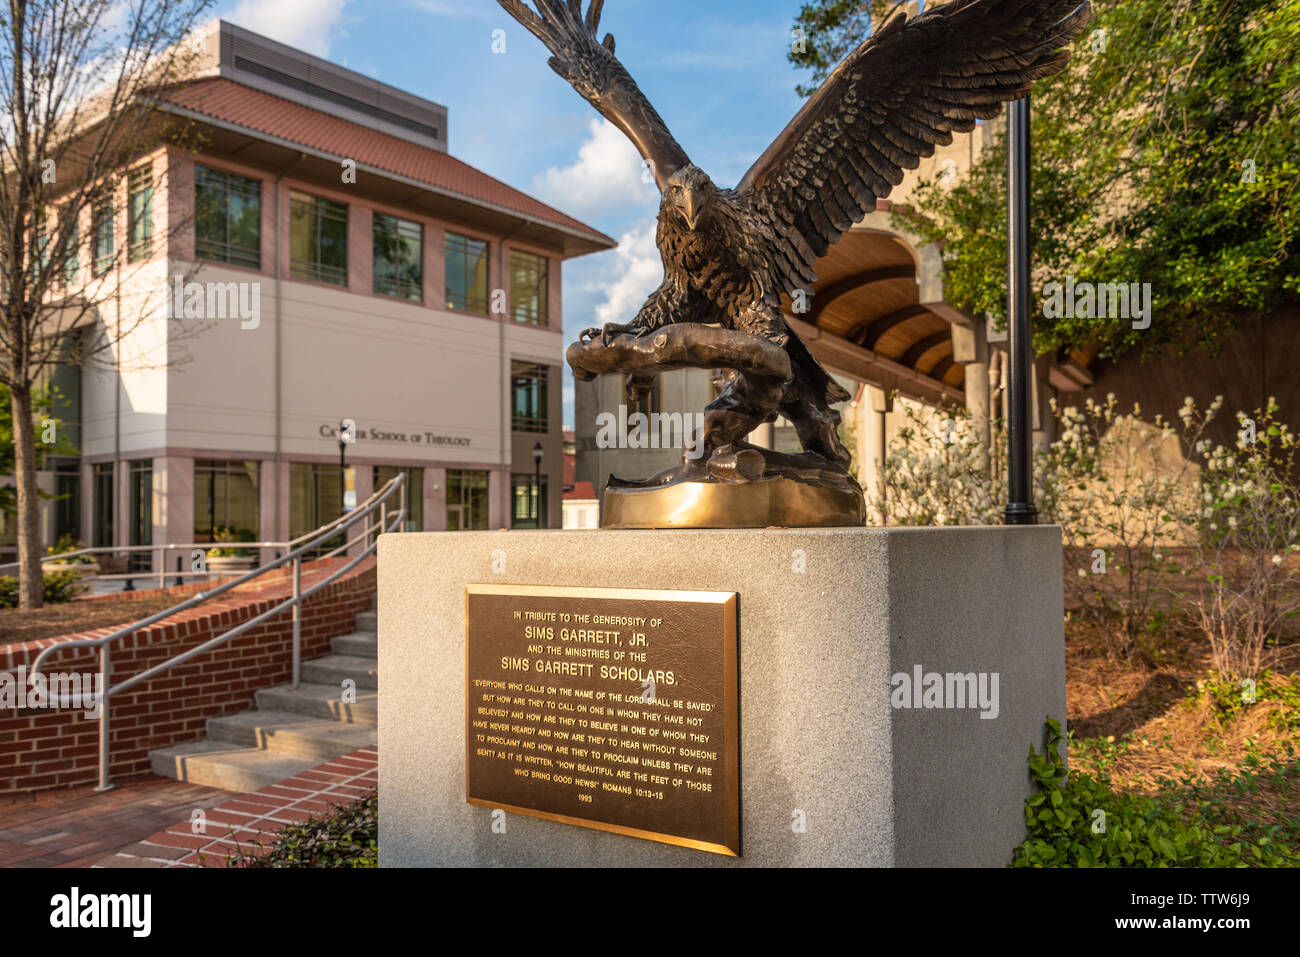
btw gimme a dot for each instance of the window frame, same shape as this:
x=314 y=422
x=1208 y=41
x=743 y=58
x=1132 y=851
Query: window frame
x=537 y=423
x=471 y=303
x=523 y=312
x=228 y=185
x=399 y=286
x=322 y=210
x=227 y=468
x=71 y=268
x=102 y=234
x=139 y=182
x=535 y=494
x=103 y=484
x=464 y=503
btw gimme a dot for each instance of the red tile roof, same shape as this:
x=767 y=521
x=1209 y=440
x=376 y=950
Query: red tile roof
x=261 y=112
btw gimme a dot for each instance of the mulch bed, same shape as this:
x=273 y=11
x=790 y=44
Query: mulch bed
x=70 y=617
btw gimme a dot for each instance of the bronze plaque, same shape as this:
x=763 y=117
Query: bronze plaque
x=610 y=708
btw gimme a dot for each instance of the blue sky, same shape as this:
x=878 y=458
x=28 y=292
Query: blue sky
x=714 y=69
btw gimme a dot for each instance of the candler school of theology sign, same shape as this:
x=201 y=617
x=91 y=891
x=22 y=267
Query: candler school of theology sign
x=610 y=708
x=408 y=438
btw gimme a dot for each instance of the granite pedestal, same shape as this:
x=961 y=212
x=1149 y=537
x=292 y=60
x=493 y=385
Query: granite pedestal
x=852 y=752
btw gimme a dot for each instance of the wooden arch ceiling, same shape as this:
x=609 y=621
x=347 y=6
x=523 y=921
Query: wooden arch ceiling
x=867 y=295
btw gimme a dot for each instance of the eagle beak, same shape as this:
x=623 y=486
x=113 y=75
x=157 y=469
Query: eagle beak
x=690 y=210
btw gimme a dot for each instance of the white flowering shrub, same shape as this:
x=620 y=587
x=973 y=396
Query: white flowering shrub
x=1147 y=510
x=1246 y=578
x=936 y=472
x=1117 y=486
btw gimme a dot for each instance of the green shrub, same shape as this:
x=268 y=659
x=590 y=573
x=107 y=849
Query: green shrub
x=347 y=837
x=60 y=587
x=1232 y=699
x=1076 y=820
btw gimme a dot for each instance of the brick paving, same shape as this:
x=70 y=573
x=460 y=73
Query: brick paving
x=245 y=822
x=75 y=827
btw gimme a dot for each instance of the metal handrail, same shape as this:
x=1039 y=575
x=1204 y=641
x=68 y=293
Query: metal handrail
x=377 y=502
x=163 y=548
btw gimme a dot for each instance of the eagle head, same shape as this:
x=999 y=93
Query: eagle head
x=688 y=196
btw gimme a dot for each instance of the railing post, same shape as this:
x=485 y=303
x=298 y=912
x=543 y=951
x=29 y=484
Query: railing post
x=401 y=493
x=297 y=620
x=107 y=678
x=162 y=567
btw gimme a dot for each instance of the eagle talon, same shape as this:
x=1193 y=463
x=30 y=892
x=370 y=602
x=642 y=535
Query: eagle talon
x=613 y=329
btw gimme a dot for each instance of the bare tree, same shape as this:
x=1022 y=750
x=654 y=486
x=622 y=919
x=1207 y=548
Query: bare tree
x=78 y=85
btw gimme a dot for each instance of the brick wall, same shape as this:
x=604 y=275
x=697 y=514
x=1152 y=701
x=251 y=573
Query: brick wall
x=44 y=748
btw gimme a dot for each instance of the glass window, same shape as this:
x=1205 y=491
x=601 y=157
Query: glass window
x=67 y=501
x=62 y=382
x=227 y=499
x=414 y=494
x=398 y=266
x=103 y=505
x=227 y=217
x=42 y=253
x=467 y=500
x=141 y=513
x=140 y=213
x=528 y=383
x=467 y=273
x=318 y=239
x=525 y=502
x=102 y=230
x=315 y=498
x=528 y=295
x=71 y=263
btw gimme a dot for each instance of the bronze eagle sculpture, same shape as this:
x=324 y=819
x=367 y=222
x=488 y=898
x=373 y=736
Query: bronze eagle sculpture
x=729 y=255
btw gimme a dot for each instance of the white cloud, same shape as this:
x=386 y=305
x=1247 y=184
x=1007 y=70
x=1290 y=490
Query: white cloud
x=459 y=8
x=609 y=287
x=303 y=24
x=637 y=272
x=609 y=176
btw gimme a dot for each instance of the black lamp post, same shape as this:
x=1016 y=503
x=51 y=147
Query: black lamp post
x=1020 y=508
x=538 y=452
x=343 y=445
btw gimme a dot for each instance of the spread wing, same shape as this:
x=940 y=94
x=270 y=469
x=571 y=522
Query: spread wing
x=905 y=90
x=592 y=69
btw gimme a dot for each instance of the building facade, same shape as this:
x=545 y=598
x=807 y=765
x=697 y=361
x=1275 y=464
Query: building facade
x=305 y=254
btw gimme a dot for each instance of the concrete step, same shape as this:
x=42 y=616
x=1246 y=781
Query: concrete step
x=284 y=732
x=220 y=765
x=359 y=644
x=292 y=729
x=333 y=669
x=321 y=701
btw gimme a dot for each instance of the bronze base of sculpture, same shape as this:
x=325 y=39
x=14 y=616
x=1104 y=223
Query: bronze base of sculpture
x=777 y=501
x=741 y=486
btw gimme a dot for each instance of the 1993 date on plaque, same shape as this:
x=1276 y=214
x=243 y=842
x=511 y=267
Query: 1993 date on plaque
x=609 y=708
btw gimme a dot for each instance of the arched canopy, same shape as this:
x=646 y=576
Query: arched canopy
x=866 y=312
